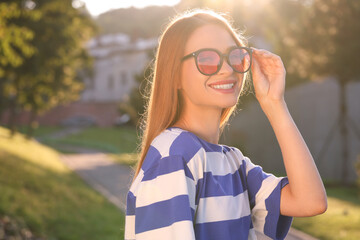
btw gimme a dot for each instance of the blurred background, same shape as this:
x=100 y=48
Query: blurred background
x=73 y=76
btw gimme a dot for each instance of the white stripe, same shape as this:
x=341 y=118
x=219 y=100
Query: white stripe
x=164 y=141
x=130 y=227
x=177 y=231
x=135 y=185
x=249 y=165
x=229 y=163
x=259 y=212
x=252 y=234
x=261 y=236
x=213 y=209
x=165 y=187
x=196 y=164
x=215 y=162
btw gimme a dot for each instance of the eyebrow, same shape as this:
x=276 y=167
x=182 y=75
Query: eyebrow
x=226 y=50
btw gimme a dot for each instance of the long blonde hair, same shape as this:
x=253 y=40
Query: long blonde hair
x=164 y=104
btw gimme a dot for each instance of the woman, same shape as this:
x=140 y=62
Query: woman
x=187 y=186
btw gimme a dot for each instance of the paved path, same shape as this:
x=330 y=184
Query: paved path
x=110 y=179
x=113 y=180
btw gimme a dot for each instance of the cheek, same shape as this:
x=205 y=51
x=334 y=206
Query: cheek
x=190 y=76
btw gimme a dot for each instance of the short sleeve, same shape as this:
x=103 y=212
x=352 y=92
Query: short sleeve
x=161 y=202
x=264 y=194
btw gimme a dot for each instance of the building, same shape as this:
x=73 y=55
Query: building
x=117 y=59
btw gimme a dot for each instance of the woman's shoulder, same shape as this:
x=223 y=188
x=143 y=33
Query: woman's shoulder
x=172 y=147
x=176 y=142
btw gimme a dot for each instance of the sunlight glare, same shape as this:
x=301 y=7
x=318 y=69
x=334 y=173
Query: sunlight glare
x=97 y=7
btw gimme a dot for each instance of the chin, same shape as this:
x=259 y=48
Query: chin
x=228 y=104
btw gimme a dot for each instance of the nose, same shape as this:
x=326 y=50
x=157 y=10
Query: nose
x=226 y=68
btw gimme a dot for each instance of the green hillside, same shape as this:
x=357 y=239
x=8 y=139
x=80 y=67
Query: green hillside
x=37 y=189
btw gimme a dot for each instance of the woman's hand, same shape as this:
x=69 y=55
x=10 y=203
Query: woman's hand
x=268 y=76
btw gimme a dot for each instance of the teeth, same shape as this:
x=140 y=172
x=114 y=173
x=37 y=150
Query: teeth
x=223 y=86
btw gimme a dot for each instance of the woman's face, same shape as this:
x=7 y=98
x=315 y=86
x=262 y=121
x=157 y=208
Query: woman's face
x=214 y=91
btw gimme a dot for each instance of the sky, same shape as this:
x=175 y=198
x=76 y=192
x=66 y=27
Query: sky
x=97 y=7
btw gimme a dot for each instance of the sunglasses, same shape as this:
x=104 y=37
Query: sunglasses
x=209 y=61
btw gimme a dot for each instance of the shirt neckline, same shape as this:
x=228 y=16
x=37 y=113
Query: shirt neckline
x=213 y=145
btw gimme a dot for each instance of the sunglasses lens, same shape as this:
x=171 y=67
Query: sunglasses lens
x=240 y=60
x=208 y=62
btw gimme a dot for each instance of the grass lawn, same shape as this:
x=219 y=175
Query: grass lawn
x=341 y=220
x=36 y=188
x=119 y=142
x=40 y=131
x=109 y=139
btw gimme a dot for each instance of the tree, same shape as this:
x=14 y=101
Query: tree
x=14 y=46
x=51 y=75
x=323 y=39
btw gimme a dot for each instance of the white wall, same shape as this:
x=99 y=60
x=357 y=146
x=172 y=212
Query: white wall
x=116 y=62
x=121 y=69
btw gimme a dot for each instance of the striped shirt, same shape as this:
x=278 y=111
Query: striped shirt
x=189 y=188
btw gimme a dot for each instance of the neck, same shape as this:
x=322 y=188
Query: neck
x=203 y=122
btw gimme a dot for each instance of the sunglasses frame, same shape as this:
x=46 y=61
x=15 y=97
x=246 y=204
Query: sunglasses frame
x=221 y=55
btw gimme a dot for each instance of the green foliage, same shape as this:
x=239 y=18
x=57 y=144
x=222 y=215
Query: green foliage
x=14 y=44
x=52 y=39
x=319 y=38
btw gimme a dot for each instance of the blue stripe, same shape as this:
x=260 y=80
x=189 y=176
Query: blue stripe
x=167 y=165
x=163 y=214
x=209 y=147
x=151 y=157
x=227 y=185
x=226 y=149
x=229 y=230
x=254 y=181
x=130 y=204
x=276 y=225
x=185 y=145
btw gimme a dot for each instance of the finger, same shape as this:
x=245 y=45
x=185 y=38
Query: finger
x=255 y=66
x=266 y=58
x=256 y=69
x=261 y=53
x=259 y=81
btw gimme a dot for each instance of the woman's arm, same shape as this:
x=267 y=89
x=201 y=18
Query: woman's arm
x=305 y=194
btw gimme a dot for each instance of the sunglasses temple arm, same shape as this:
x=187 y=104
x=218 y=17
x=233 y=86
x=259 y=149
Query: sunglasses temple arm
x=252 y=88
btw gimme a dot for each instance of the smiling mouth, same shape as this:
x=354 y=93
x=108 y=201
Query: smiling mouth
x=223 y=86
